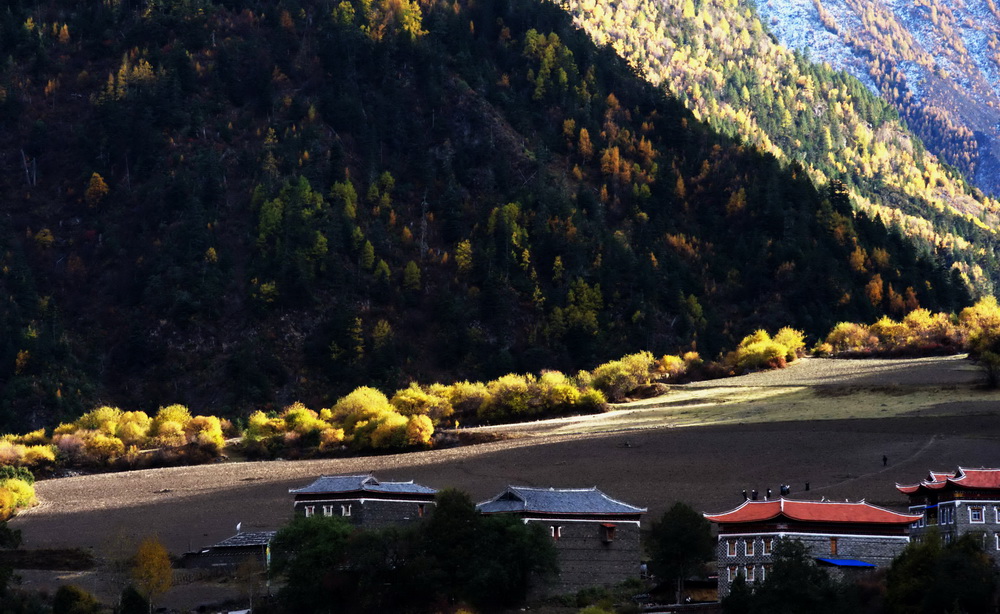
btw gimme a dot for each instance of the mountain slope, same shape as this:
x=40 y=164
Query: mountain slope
x=234 y=205
x=937 y=62
x=725 y=66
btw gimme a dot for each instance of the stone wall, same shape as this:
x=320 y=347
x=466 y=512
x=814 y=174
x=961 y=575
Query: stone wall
x=875 y=549
x=589 y=556
x=369 y=513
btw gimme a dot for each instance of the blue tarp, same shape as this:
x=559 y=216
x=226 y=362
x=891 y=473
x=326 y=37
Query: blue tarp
x=845 y=562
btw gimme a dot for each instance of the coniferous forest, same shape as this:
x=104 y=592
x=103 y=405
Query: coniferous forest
x=237 y=204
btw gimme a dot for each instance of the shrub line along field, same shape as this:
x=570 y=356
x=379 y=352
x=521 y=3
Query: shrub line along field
x=756 y=431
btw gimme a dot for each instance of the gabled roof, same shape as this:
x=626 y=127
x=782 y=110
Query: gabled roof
x=981 y=479
x=525 y=499
x=260 y=538
x=812 y=511
x=328 y=484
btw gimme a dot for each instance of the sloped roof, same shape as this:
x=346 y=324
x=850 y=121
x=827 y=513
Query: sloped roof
x=526 y=499
x=845 y=562
x=812 y=511
x=259 y=538
x=361 y=483
x=981 y=479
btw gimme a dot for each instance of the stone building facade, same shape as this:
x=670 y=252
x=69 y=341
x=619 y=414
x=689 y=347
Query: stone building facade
x=232 y=552
x=954 y=504
x=596 y=537
x=364 y=500
x=849 y=538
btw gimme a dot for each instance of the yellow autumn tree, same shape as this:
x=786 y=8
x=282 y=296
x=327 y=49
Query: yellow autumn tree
x=97 y=189
x=151 y=570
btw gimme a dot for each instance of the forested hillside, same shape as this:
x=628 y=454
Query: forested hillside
x=236 y=204
x=728 y=69
x=937 y=62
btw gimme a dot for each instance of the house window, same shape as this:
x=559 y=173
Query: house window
x=833 y=545
x=976 y=514
x=310 y=510
x=556 y=531
x=731 y=544
x=748 y=546
x=345 y=510
x=420 y=510
x=328 y=510
x=768 y=544
x=750 y=573
x=947 y=515
x=608 y=533
x=996 y=514
x=733 y=571
x=996 y=538
x=764 y=571
x=947 y=538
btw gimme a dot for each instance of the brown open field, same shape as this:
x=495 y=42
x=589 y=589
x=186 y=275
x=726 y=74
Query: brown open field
x=826 y=422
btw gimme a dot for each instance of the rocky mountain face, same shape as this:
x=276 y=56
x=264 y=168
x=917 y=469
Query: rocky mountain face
x=937 y=62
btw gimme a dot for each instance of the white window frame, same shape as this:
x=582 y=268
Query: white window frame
x=309 y=510
x=345 y=510
x=556 y=531
x=750 y=575
x=996 y=514
x=734 y=570
x=996 y=538
x=768 y=545
x=328 y=510
x=749 y=546
x=977 y=510
x=731 y=547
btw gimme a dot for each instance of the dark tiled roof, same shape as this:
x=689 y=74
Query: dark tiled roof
x=524 y=499
x=361 y=483
x=260 y=538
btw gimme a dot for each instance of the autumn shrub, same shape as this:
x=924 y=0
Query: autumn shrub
x=133 y=428
x=510 y=398
x=177 y=414
x=431 y=401
x=670 y=366
x=206 y=433
x=758 y=351
x=15 y=494
x=794 y=342
x=619 y=377
x=467 y=398
x=419 y=430
x=104 y=419
x=851 y=337
x=980 y=326
x=168 y=434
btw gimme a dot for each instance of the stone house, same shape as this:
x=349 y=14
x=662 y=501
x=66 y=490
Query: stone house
x=596 y=537
x=233 y=552
x=366 y=501
x=849 y=538
x=957 y=503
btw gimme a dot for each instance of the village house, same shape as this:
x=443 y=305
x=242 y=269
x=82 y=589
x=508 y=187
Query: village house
x=957 y=503
x=846 y=537
x=596 y=537
x=364 y=500
x=232 y=552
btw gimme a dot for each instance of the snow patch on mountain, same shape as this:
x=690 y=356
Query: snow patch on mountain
x=797 y=25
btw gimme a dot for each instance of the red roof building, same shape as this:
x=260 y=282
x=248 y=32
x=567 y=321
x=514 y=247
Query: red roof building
x=956 y=503
x=844 y=536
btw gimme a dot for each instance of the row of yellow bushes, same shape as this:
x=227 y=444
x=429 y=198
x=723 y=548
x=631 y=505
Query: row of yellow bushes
x=919 y=333
x=367 y=419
